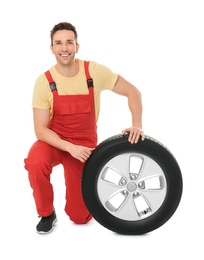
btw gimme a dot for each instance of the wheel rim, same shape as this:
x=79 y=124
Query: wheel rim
x=131 y=186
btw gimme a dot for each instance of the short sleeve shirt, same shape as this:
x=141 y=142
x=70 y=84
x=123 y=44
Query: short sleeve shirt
x=103 y=79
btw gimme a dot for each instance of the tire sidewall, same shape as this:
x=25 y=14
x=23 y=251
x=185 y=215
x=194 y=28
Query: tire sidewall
x=156 y=152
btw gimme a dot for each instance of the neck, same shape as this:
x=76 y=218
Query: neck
x=68 y=70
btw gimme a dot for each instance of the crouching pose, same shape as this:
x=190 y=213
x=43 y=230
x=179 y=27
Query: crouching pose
x=66 y=103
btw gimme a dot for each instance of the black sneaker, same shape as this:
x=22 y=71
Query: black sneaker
x=46 y=224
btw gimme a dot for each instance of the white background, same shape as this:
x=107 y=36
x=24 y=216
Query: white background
x=157 y=46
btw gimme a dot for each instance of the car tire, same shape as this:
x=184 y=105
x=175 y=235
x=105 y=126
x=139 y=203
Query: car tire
x=131 y=189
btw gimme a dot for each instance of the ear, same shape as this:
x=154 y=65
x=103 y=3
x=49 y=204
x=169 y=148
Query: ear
x=77 y=48
x=51 y=48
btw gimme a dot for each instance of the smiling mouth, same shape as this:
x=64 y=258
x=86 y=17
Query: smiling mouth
x=64 y=55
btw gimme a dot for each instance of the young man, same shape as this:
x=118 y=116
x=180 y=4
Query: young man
x=66 y=106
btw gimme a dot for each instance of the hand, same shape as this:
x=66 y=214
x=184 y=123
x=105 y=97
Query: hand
x=134 y=134
x=82 y=153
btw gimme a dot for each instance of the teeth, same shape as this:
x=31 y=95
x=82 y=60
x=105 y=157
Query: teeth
x=64 y=55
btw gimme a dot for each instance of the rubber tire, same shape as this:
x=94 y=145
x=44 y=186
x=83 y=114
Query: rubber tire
x=150 y=147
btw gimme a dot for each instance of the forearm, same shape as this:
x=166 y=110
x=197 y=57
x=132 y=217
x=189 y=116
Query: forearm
x=124 y=88
x=50 y=137
x=135 y=106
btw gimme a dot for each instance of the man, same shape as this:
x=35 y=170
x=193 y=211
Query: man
x=66 y=102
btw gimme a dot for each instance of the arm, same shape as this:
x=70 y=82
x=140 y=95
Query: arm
x=43 y=133
x=123 y=87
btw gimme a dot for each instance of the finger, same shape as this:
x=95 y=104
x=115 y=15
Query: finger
x=87 y=155
x=130 y=137
x=87 y=152
x=140 y=134
x=143 y=136
x=83 y=158
x=125 y=130
x=137 y=137
x=134 y=136
x=89 y=148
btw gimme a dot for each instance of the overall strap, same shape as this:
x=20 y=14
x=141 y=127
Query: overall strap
x=89 y=80
x=50 y=80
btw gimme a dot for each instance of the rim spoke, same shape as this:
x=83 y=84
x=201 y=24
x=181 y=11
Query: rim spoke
x=132 y=186
x=107 y=190
x=127 y=209
x=154 y=198
x=120 y=164
x=149 y=168
x=142 y=206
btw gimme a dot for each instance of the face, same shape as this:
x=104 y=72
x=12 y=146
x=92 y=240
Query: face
x=64 y=47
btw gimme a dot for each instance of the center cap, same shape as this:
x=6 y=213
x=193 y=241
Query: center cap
x=132 y=186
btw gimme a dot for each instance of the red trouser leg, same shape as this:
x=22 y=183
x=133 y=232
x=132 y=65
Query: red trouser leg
x=41 y=159
x=75 y=206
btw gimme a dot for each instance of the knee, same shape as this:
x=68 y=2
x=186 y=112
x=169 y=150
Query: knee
x=79 y=215
x=37 y=164
x=81 y=219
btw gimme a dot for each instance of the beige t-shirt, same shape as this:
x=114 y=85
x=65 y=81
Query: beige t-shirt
x=103 y=79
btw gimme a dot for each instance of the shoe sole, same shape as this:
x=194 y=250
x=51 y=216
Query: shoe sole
x=45 y=233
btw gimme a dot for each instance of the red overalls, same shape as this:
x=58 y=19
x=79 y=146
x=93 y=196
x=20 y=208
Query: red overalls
x=73 y=120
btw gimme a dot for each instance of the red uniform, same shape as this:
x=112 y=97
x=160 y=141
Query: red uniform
x=73 y=120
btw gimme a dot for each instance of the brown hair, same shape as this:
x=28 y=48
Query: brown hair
x=63 y=26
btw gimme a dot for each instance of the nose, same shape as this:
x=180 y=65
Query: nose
x=64 y=46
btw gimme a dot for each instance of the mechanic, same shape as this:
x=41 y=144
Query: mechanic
x=66 y=103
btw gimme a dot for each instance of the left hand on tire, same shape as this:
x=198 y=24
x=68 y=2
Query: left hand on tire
x=134 y=134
